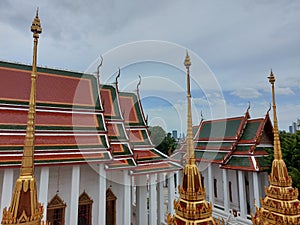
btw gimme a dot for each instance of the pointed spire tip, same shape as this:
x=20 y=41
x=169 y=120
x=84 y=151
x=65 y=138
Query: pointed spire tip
x=187 y=60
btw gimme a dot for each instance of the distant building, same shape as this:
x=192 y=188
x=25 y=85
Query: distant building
x=174 y=134
x=295 y=127
x=291 y=129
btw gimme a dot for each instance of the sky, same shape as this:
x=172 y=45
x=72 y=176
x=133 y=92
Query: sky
x=233 y=46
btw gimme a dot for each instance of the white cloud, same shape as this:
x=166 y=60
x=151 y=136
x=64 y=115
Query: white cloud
x=246 y=93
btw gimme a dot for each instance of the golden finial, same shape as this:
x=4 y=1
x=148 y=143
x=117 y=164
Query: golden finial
x=36 y=28
x=189 y=138
x=277 y=148
x=187 y=61
x=271 y=77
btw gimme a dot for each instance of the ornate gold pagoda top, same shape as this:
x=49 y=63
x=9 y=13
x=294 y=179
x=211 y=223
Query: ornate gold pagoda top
x=25 y=208
x=191 y=207
x=281 y=205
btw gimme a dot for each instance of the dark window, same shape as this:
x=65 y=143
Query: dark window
x=85 y=210
x=215 y=188
x=56 y=211
x=110 y=207
x=230 y=191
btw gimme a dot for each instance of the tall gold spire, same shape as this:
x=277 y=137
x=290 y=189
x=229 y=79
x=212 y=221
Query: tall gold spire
x=25 y=208
x=277 y=148
x=191 y=208
x=189 y=139
x=28 y=154
x=281 y=205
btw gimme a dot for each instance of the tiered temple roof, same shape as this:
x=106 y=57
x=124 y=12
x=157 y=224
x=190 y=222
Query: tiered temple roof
x=70 y=125
x=281 y=205
x=235 y=143
x=77 y=121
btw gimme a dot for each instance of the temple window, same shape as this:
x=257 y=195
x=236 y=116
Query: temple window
x=230 y=191
x=110 y=207
x=215 y=188
x=85 y=209
x=56 y=211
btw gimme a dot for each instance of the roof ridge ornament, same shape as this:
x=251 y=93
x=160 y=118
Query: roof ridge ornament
x=139 y=84
x=98 y=68
x=118 y=76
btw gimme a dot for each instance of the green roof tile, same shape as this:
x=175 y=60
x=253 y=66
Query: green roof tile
x=239 y=161
x=250 y=130
x=220 y=129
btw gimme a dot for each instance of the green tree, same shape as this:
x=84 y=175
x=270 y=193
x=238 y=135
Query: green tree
x=157 y=134
x=163 y=142
x=290 y=147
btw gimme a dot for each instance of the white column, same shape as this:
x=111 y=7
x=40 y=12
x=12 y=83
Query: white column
x=74 y=194
x=171 y=193
x=7 y=188
x=127 y=198
x=141 y=200
x=43 y=192
x=179 y=179
x=160 y=198
x=251 y=192
x=242 y=194
x=256 y=188
x=225 y=190
x=210 y=184
x=102 y=195
x=133 y=195
x=152 y=200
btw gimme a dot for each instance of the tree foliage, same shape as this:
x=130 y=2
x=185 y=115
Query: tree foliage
x=164 y=142
x=290 y=147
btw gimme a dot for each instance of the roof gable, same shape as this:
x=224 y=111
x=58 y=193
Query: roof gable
x=131 y=109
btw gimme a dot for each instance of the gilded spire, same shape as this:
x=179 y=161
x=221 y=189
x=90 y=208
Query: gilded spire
x=28 y=153
x=25 y=208
x=277 y=148
x=281 y=205
x=189 y=139
x=191 y=207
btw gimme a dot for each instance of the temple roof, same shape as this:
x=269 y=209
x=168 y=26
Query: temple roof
x=235 y=143
x=76 y=122
x=146 y=156
x=70 y=125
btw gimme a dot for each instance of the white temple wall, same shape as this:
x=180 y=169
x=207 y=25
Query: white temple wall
x=89 y=184
x=115 y=183
x=204 y=172
x=1 y=185
x=60 y=179
x=232 y=177
x=217 y=174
